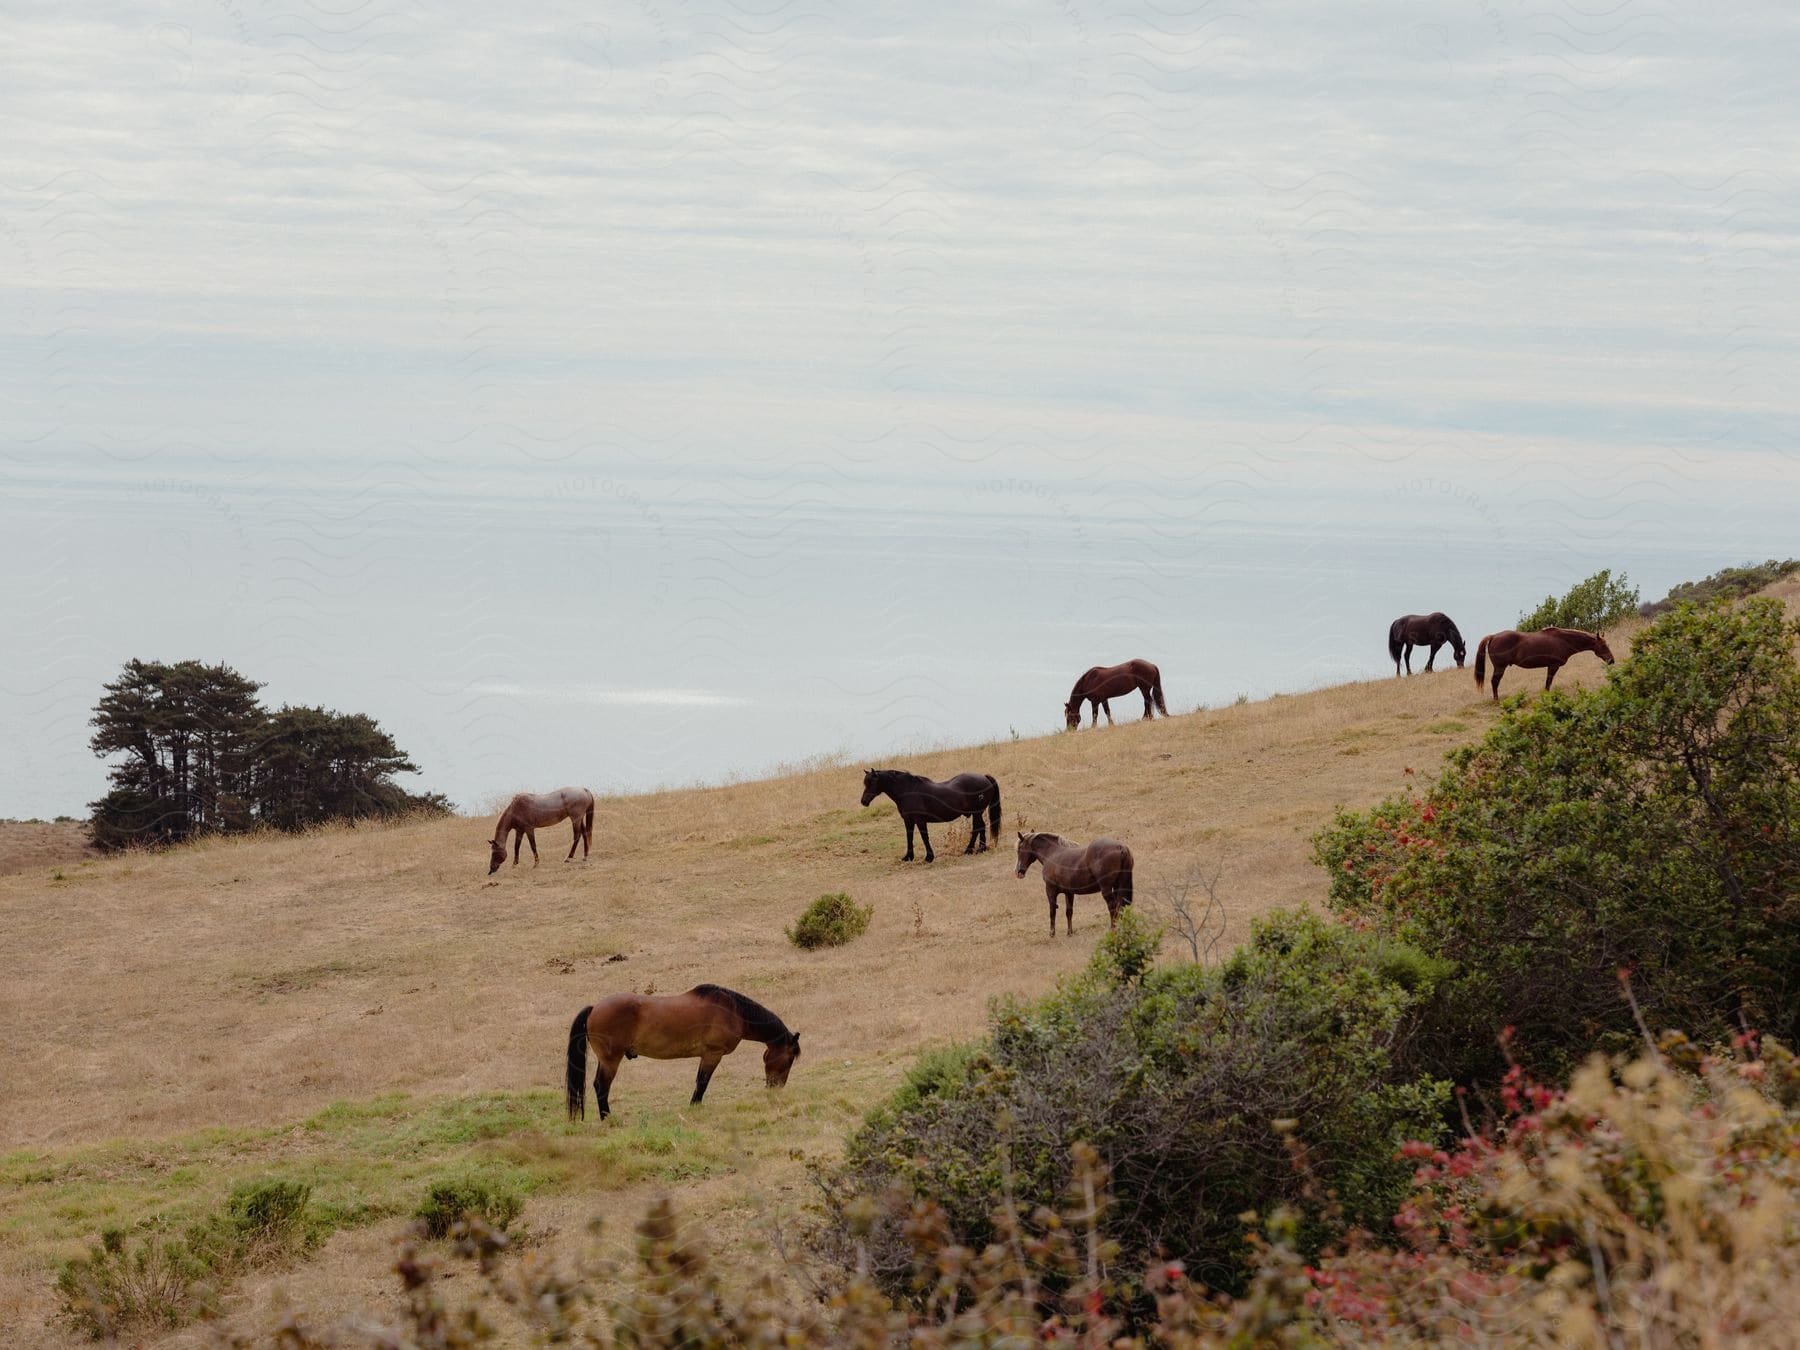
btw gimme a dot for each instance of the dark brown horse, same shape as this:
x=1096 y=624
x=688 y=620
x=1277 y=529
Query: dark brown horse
x=923 y=801
x=528 y=810
x=1547 y=647
x=1102 y=683
x=1071 y=870
x=707 y=1021
x=1424 y=630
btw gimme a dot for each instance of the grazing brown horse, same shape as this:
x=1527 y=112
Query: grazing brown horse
x=1424 y=630
x=528 y=810
x=1071 y=870
x=924 y=801
x=1103 y=683
x=708 y=1021
x=1547 y=647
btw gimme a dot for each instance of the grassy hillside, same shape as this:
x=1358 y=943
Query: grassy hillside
x=363 y=1009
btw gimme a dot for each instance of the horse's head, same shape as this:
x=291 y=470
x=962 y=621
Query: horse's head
x=778 y=1060
x=1601 y=650
x=1072 y=714
x=871 y=786
x=1459 y=651
x=1027 y=855
x=496 y=855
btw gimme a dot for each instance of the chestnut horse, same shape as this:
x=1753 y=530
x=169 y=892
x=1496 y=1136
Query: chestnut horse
x=528 y=810
x=1424 y=630
x=924 y=801
x=1102 y=683
x=708 y=1021
x=1072 y=870
x=1547 y=647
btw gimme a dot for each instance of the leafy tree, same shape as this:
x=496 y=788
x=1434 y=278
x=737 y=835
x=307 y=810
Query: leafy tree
x=202 y=756
x=185 y=730
x=1650 y=826
x=1730 y=583
x=313 y=765
x=1593 y=604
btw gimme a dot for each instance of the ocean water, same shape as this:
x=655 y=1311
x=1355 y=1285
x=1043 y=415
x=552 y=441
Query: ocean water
x=642 y=624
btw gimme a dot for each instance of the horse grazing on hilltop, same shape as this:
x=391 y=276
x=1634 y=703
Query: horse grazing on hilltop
x=708 y=1021
x=1423 y=630
x=1102 y=683
x=528 y=810
x=922 y=801
x=1547 y=647
x=1071 y=870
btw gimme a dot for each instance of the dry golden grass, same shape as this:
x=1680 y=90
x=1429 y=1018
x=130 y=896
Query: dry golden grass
x=251 y=982
x=28 y=845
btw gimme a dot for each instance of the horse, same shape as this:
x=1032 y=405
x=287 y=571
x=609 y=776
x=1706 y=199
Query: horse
x=922 y=801
x=528 y=810
x=1423 y=630
x=1546 y=647
x=708 y=1021
x=1071 y=870
x=1101 y=683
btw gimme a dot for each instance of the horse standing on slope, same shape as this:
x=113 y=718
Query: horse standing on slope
x=923 y=801
x=1100 y=684
x=1550 y=647
x=708 y=1021
x=528 y=810
x=1071 y=870
x=1423 y=630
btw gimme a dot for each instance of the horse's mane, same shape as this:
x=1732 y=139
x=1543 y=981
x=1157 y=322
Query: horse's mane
x=899 y=773
x=764 y=1024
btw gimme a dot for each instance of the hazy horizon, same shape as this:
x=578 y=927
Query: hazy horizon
x=644 y=395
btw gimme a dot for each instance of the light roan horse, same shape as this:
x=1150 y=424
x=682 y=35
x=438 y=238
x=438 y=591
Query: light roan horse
x=1424 y=630
x=528 y=810
x=1102 y=683
x=708 y=1021
x=924 y=801
x=1071 y=870
x=1547 y=647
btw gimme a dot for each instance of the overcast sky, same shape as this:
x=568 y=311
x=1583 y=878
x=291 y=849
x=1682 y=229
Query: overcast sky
x=497 y=370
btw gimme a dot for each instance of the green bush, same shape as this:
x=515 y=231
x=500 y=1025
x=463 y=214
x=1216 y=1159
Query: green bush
x=830 y=921
x=1728 y=583
x=1592 y=605
x=1651 y=826
x=1184 y=1079
x=159 y=1281
x=450 y=1202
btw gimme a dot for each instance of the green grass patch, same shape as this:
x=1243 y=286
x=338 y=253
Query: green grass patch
x=361 y=1161
x=1448 y=727
x=750 y=841
x=830 y=921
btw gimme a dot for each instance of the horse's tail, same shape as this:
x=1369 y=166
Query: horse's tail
x=1394 y=643
x=578 y=1064
x=1481 y=662
x=994 y=810
x=1156 y=693
x=1125 y=878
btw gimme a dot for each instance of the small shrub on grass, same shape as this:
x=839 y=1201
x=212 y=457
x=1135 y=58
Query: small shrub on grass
x=159 y=1281
x=1592 y=605
x=830 y=921
x=451 y=1202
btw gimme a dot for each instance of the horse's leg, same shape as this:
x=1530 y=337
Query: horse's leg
x=707 y=1064
x=531 y=838
x=908 y=855
x=925 y=834
x=1497 y=669
x=1107 y=704
x=1051 y=892
x=974 y=829
x=574 y=839
x=605 y=1071
x=1068 y=911
x=1429 y=659
x=1149 y=708
x=1550 y=675
x=1093 y=712
x=981 y=829
x=518 y=843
